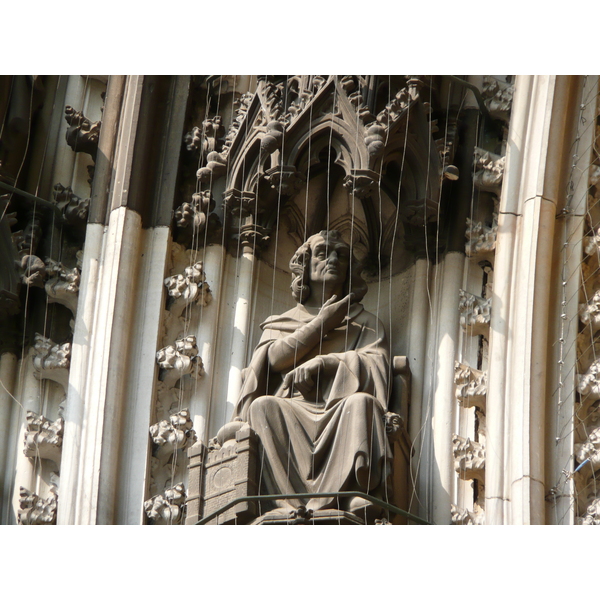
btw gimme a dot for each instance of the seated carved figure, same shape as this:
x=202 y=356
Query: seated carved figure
x=316 y=389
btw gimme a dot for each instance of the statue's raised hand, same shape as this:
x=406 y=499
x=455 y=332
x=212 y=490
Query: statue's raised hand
x=334 y=311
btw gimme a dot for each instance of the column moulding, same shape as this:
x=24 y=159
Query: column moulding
x=444 y=401
x=133 y=461
x=111 y=260
x=508 y=218
x=544 y=150
x=568 y=259
x=241 y=329
x=207 y=335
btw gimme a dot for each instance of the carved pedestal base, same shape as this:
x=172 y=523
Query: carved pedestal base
x=230 y=470
x=219 y=476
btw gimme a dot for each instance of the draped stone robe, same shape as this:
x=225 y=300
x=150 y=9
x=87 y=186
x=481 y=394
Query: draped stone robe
x=335 y=439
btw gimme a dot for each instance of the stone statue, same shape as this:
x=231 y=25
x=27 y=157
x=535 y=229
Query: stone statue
x=316 y=389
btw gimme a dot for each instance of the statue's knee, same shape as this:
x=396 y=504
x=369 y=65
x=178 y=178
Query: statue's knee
x=262 y=406
x=360 y=401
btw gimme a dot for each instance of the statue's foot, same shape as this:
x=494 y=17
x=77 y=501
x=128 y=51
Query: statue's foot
x=364 y=509
x=290 y=513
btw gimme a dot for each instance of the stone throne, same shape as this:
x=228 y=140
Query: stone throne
x=229 y=469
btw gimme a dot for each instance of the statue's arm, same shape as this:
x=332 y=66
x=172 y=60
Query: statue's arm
x=287 y=352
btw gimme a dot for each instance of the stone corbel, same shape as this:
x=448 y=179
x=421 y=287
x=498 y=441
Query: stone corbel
x=589 y=313
x=462 y=516
x=362 y=183
x=34 y=510
x=179 y=360
x=73 y=208
x=481 y=238
x=187 y=288
x=239 y=204
x=255 y=237
x=475 y=313
x=167 y=508
x=285 y=179
x=419 y=212
x=175 y=434
x=469 y=458
x=43 y=438
x=489 y=171
x=471 y=386
x=82 y=134
x=51 y=361
x=497 y=96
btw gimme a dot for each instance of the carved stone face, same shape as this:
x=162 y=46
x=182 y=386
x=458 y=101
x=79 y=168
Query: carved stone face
x=329 y=260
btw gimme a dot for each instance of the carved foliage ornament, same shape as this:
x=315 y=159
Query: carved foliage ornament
x=469 y=458
x=61 y=283
x=187 y=288
x=481 y=238
x=471 y=386
x=498 y=96
x=591 y=244
x=73 y=208
x=208 y=137
x=588 y=385
x=462 y=516
x=589 y=451
x=51 y=361
x=475 y=313
x=82 y=134
x=178 y=360
x=34 y=510
x=592 y=515
x=489 y=170
x=589 y=312
x=195 y=213
x=43 y=438
x=241 y=106
x=167 y=508
x=175 y=434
